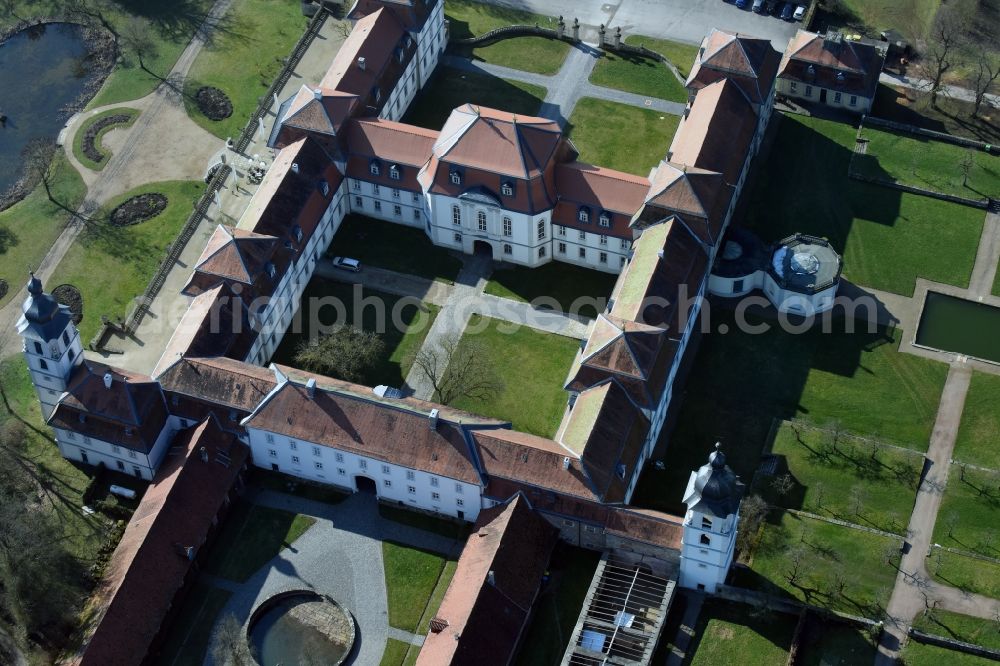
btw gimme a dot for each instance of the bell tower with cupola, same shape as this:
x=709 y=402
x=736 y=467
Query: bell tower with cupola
x=52 y=346
x=709 y=541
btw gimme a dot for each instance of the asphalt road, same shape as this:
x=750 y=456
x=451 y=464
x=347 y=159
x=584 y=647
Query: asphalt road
x=681 y=20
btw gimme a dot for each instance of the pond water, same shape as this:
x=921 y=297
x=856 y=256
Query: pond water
x=42 y=69
x=287 y=633
x=959 y=325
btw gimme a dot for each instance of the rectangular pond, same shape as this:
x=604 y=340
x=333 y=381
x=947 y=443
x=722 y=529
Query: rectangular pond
x=958 y=325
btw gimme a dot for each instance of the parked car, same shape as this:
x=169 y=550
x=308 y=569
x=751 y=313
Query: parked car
x=787 y=10
x=741 y=4
x=758 y=6
x=347 y=264
x=800 y=11
x=771 y=6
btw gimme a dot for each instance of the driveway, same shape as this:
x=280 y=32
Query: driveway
x=680 y=20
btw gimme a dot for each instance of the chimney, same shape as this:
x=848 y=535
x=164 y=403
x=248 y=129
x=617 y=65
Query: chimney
x=361 y=62
x=317 y=93
x=295 y=167
x=491 y=578
x=107 y=380
x=659 y=253
x=311 y=388
x=203 y=452
x=433 y=417
x=566 y=462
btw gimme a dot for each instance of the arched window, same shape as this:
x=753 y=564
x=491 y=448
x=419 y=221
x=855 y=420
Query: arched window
x=507 y=249
x=456 y=215
x=481 y=220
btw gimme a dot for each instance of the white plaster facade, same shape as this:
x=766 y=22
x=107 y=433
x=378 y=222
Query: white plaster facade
x=707 y=548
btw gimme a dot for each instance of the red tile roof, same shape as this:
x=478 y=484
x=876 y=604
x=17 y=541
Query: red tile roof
x=651 y=527
x=375 y=38
x=837 y=64
x=388 y=143
x=489 y=600
x=236 y=254
x=600 y=190
x=150 y=565
x=411 y=13
x=750 y=62
x=701 y=198
x=223 y=381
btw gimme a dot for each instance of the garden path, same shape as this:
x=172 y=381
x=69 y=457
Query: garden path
x=339 y=555
x=568 y=85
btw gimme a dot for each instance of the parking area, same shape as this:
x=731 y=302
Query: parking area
x=681 y=20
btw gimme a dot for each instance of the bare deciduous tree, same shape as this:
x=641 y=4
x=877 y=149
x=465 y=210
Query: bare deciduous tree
x=797 y=565
x=987 y=73
x=783 y=484
x=753 y=510
x=347 y=353
x=965 y=166
x=457 y=370
x=138 y=38
x=230 y=646
x=943 y=46
x=857 y=499
x=951 y=522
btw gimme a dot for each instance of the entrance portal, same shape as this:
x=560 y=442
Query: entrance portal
x=365 y=485
x=482 y=249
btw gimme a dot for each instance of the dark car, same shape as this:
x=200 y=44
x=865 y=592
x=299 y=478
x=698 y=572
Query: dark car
x=787 y=10
x=742 y=4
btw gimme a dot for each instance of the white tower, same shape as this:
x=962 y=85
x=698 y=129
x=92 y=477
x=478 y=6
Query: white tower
x=713 y=503
x=51 y=344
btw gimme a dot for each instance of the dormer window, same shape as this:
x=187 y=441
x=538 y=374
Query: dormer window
x=271 y=270
x=375 y=168
x=507 y=189
x=620 y=470
x=377 y=93
x=605 y=220
x=394 y=172
x=83 y=418
x=400 y=54
x=128 y=432
x=324 y=187
x=840 y=77
x=297 y=230
x=456 y=178
x=584 y=215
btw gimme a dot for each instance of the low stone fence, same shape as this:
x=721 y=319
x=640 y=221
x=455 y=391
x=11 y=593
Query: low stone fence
x=952 y=644
x=992 y=149
x=507 y=32
x=982 y=204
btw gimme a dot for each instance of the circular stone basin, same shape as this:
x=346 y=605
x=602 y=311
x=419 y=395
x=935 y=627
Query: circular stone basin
x=301 y=627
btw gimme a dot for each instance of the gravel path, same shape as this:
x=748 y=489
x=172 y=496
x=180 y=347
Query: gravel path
x=340 y=555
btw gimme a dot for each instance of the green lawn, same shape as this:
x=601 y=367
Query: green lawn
x=251 y=536
x=969 y=516
x=913 y=17
x=423 y=521
x=949 y=115
x=888 y=238
x=113 y=265
x=243 y=59
x=635 y=74
x=619 y=136
x=823 y=552
x=729 y=633
x=188 y=637
x=558 y=606
x=964 y=572
x=394 y=246
x=963 y=628
x=827 y=643
x=740 y=382
x=843 y=477
x=78 y=138
x=468 y=18
x=412 y=577
x=564 y=283
x=681 y=55
x=449 y=88
x=398 y=653
x=328 y=302
x=532 y=366
x=922 y=654
x=979 y=431
x=933 y=165
x=29 y=228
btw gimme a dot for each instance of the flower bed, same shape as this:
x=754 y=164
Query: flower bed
x=138 y=209
x=94 y=130
x=71 y=297
x=213 y=103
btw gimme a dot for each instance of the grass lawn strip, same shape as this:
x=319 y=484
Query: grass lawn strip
x=681 y=55
x=411 y=576
x=970 y=511
x=979 y=430
x=338 y=303
x=843 y=477
x=959 y=627
x=449 y=88
x=824 y=642
x=422 y=521
x=113 y=265
x=541 y=55
x=558 y=606
x=948 y=115
x=888 y=238
x=563 y=282
x=808 y=559
x=729 y=633
x=639 y=75
x=620 y=136
x=534 y=406
x=398 y=653
x=921 y=654
x=29 y=228
x=741 y=382
x=434 y=601
x=970 y=574
x=933 y=165
x=251 y=537
x=395 y=247
x=189 y=635
x=82 y=130
x=243 y=59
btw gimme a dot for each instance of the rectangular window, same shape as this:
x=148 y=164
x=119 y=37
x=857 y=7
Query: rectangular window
x=339 y=457
x=508 y=227
x=560 y=231
x=809 y=91
x=397 y=211
x=583 y=253
x=434 y=482
x=562 y=248
x=359 y=202
x=626 y=243
x=341 y=471
x=317 y=451
x=385 y=469
x=541 y=252
x=292 y=445
x=456 y=215
x=541 y=229
x=272 y=453
x=603 y=257
x=375 y=189
x=416 y=214
x=356 y=185
x=460 y=502
x=395 y=193
x=604 y=240
x=121 y=466
x=481 y=220
x=409 y=475
x=793 y=86
x=70 y=435
x=42 y=364
x=853 y=101
x=295 y=459
x=394 y=174
x=378 y=206
x=459 y=488
x=583 y=235
x=318 y=465
x=837 y=97
x=411 y=490
x=374 y=168
x=415 y=197
x=38 y=347
x=387 y=483
x=115 y=448
x=435 y=496
x=458 y=238
x=363 y=464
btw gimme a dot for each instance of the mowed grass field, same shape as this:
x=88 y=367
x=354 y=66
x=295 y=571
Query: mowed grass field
x=979 y=430
x=112 y=265
x=728 y=633
x=619 y=136
x=532 y=367
x=888 y=238
x=680 y=55
x=541 y=55
x=639 y=75
x=555 y=284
